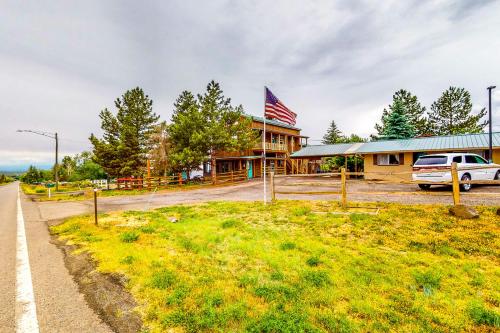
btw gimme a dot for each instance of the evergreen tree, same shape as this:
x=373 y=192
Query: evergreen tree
x=32 y=176
x=187 y=151
x=414 y=111
x=452 y=114
x=397 y=125
x=333 y=134
x=226 y=127
x=123 y=149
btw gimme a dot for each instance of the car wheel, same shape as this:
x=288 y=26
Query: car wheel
x=497 y=175
x=424 y=187
x=465 y=187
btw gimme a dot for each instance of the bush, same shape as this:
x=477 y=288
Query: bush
x=483 y=316
x=287 y=246
x=313 y=261
x=129 y=236
x=162 y=279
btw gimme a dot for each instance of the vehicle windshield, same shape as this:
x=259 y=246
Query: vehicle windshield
x=431 y=160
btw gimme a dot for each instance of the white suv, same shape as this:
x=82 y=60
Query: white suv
x=442 y=164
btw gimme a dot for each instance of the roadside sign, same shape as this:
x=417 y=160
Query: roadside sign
x=49 y=185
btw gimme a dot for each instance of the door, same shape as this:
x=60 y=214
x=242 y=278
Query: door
x=250 y=169
x=476 y=173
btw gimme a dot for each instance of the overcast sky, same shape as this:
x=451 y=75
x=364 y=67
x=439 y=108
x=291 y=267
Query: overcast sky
x=61 y=62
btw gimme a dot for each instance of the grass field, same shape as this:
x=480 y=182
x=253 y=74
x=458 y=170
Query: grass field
x=297 y=267
x=41 y=192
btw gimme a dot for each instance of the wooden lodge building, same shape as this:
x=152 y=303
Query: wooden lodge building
x=387 y=159
x=281 y=141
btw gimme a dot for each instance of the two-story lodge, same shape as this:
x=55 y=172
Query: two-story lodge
x=281 y=141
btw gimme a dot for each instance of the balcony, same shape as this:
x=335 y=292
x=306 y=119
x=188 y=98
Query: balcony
x=270 y=146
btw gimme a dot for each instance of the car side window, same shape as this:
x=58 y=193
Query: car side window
x=470 y=159
x=457 y=159
x=480 y=160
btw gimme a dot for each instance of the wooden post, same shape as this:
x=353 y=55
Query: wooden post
x=232 y=176
x=455 y=184
x=95 y=206
x=343 y=200
x=180 y=178
x=273 y=194
x=149 y=174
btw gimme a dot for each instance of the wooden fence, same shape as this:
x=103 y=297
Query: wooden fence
x=343 y=176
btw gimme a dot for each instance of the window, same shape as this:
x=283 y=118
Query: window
x=388 y=159
x=457 y=159
x=431 y=160
x=470 y=159
x=481 y=160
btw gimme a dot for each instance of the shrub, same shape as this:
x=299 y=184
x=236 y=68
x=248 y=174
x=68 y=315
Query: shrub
x=483 y=316
x=229 y=224
x=287 y=246
x=147 y=229
x=128 y=260
x=129 y=236
x=313 y=261
x=317 y=278
x=162 y=279
x=428 y=280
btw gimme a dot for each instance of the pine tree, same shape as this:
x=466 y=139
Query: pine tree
x=333 y=134
x=452 y=114
x=226 y=127
x=123 y=148
x=397 y=125
x=414 y=111
x=187 y=151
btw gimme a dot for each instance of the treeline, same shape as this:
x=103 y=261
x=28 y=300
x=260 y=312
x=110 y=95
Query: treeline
x=77 y=168
x=5 y=179
x=200 y=125
x=406 y=118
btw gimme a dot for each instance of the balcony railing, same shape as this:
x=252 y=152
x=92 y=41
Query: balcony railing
x=271 y=146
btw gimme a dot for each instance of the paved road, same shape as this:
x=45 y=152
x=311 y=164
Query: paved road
x=252 y=191
x=59 y=305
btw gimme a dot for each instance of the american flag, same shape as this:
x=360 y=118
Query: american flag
x=277 y=110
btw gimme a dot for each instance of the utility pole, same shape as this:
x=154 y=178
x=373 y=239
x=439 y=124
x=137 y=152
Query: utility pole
x=56 y=165
x=490 y=134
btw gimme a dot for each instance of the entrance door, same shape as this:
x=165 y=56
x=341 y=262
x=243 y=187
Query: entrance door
x=250 y=169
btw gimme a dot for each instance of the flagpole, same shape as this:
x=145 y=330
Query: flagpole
x=264 y=147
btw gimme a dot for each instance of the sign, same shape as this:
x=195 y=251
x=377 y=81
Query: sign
x=49 y=185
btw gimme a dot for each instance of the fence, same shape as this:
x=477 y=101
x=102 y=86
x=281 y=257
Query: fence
x=343 y=175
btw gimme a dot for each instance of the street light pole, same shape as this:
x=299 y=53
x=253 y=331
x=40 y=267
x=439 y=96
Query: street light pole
x=56 y=165
x=490 y=134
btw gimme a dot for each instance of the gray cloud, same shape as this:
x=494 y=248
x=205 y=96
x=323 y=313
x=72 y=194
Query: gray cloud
x=62 y=62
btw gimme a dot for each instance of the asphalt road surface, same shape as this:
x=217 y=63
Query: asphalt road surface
x=36 y=289
x=40 y=295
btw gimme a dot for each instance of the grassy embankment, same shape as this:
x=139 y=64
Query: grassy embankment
x=234 y=267
x=41 y=192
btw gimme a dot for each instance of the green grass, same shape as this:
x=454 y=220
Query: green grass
x=243 y=267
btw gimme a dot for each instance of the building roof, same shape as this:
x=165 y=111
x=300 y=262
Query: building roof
x=433 y=143
x=462 y=141
x=323 y=150
x=274 y=122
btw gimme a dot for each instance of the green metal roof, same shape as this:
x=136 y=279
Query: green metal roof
x=274 y=122
x=434 y=143
x=323 y=150
x=448 y=142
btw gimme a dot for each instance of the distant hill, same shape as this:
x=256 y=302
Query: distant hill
x=10 y=170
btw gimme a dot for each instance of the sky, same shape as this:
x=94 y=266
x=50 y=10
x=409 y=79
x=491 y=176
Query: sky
x=61 y=62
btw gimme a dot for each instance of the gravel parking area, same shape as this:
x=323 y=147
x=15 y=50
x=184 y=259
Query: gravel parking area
x=357 y=190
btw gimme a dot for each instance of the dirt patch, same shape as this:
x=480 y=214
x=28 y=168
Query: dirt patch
x=104 y=293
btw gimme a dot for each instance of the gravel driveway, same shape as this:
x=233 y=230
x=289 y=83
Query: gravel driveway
x=358 y=190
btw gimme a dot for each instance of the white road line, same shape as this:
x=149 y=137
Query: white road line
x=26 y=321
